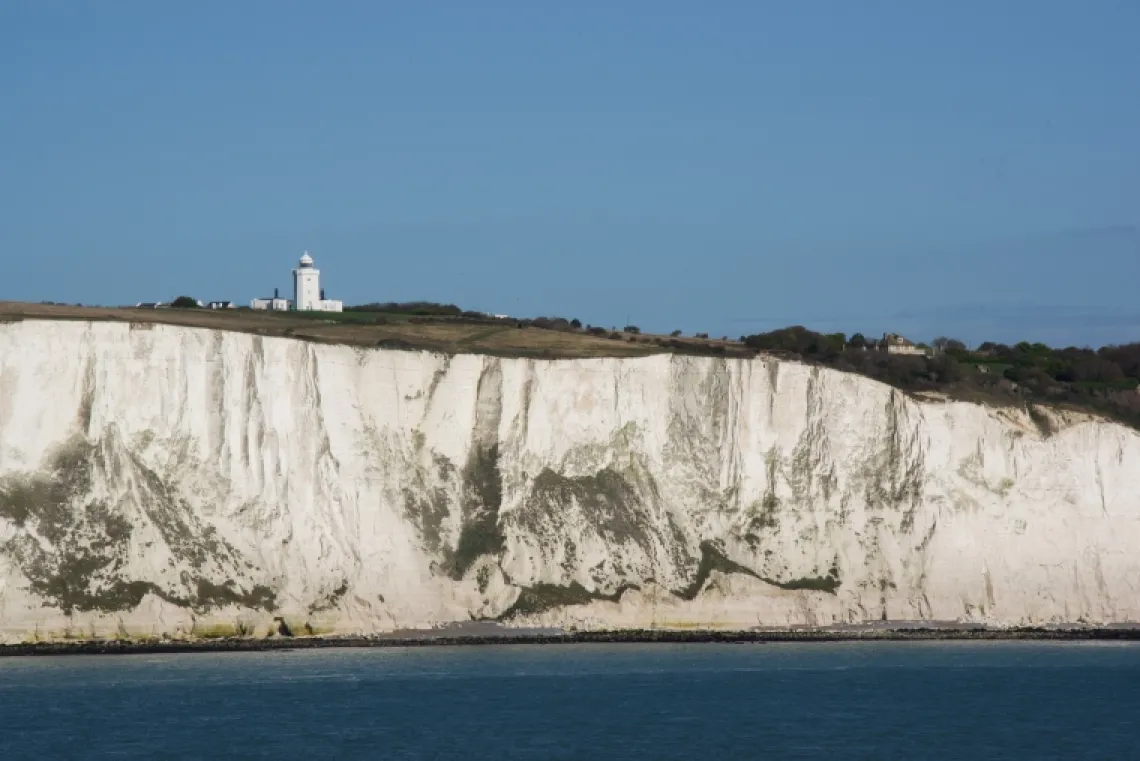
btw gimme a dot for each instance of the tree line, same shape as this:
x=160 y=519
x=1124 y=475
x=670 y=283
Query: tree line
x=1102 y=380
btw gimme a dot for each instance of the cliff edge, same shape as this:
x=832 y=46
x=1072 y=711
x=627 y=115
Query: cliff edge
x=157 y=479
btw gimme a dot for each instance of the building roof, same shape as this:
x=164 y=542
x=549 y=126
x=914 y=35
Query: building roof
x=897 y=340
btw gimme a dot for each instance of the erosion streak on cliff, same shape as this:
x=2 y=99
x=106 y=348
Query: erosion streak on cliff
x=171 y=479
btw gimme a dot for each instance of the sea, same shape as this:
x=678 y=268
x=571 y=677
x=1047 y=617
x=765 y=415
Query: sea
x=594 y=702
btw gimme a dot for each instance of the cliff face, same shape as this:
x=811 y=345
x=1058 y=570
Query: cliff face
x=157 y=479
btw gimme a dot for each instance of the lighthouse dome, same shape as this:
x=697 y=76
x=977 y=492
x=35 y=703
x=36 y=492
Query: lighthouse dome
x=306 y=260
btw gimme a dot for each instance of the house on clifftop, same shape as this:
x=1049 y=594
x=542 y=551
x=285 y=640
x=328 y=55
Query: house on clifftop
x=896 y=344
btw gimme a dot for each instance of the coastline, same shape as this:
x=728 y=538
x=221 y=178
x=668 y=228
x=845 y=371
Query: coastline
x=632 y=636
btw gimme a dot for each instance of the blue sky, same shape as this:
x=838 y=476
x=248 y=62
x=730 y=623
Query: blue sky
x=968 y=168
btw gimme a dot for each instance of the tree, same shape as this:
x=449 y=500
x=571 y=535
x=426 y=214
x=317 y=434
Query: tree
x=944 y=369
x=185 y=302
x=675 y=333
x=942 y=343
x=551 y=323
x=1104 y=381
x=576 y=323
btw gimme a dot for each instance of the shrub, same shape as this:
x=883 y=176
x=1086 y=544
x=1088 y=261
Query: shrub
x=185 y=302
x=418 y=308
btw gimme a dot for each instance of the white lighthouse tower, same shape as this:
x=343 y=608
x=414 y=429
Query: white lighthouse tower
x=307 y=292
x=306 y=285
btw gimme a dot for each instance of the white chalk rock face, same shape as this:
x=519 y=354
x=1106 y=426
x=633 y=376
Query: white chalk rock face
x=161 y=480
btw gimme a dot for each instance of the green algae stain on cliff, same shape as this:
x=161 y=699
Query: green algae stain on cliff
x=54 y=511
x=73 y=547
x=607 y=500
x=175 y=519
x=481 y=533
x=542 y=597
x=427 y=509
x=428 y=502
x=617 y=506
x=714 y=559
x=893 y=476
x=42 y=499
x=480 y=530
x=430 y=492
x=828 y=584
x=210 y=595
x=330 y=600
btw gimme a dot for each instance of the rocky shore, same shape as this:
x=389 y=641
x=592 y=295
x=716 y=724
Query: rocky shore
x=250 y=644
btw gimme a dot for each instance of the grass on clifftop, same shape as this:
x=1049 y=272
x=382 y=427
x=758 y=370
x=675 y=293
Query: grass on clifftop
x=370 y=326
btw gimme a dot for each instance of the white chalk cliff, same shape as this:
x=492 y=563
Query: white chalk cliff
x=163 y=480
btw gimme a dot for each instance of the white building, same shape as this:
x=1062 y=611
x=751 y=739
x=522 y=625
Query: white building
x=222 y=305
x=897 y=344
x=270 y=304
x=307 y=293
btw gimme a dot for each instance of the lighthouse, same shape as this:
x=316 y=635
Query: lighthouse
x=306 y=284
x=307 y=294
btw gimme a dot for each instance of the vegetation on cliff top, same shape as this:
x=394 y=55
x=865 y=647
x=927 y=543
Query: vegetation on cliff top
x=1103 y=381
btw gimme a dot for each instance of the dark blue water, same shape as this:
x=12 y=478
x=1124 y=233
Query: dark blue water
x=778 y=701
